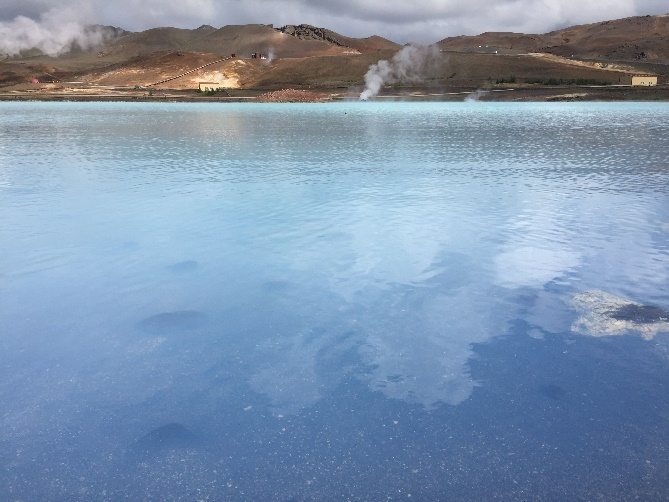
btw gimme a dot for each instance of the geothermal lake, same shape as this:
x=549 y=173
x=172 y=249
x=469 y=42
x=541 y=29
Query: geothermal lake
x=334 y=301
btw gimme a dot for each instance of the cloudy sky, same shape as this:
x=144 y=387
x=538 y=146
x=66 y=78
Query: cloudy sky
x=403 y=21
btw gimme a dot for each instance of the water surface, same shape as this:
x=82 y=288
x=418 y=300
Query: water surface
x=353 y=300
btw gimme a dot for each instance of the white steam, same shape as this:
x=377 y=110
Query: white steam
x=409 y=65
x=57 y=31
x=476 y=95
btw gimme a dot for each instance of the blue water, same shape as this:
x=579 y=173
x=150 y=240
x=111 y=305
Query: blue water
x=338 y=301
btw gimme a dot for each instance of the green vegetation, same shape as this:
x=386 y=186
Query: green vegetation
x=552 y=81
x=213 y=92
x=567 y=81
x=507 y=80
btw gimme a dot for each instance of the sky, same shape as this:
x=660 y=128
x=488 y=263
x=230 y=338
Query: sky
x=422 y=21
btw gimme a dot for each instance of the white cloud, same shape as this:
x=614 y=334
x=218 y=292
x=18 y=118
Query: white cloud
x=425 y=21
x=533 y=266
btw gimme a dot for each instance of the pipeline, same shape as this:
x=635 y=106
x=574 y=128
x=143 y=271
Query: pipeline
x=189 y=71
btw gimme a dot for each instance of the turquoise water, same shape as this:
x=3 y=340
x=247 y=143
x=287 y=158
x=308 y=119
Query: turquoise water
x=353 y=300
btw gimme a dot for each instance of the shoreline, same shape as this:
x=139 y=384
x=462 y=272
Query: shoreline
x=530 y=94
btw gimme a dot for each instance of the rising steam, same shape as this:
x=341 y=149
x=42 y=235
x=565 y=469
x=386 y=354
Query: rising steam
x=476 y=95
x=409 y=65
x=57 y=31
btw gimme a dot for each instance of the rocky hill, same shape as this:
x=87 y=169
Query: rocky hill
x=363 y=45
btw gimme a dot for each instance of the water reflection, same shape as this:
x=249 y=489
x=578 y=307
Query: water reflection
x=178 y=272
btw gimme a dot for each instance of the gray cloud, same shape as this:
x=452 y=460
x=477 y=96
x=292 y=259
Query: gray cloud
x=425 y=21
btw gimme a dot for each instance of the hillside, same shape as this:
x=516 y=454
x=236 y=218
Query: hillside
x=308 y=57
x=138 y=58
x=631 y=39
x=241 y=40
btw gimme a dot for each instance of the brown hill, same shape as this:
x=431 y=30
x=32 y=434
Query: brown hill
x=242 y=40
x=123 y=47
x=644 y=38
x=309 y=57
x=453 y=70
x=238 y=73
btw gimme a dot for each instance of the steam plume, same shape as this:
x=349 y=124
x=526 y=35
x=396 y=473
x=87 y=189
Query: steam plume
x=57 y=31
x=476 y=95
x=409 y=65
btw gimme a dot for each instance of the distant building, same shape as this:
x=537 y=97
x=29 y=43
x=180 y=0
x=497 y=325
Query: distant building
x=647 y=80
x=209 y=86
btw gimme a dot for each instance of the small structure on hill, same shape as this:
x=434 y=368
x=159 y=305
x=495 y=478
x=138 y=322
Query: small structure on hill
x=46 y=78
x=209 y=86
x=646 y=80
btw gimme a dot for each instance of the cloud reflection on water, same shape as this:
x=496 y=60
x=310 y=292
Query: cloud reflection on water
x=395 y=243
